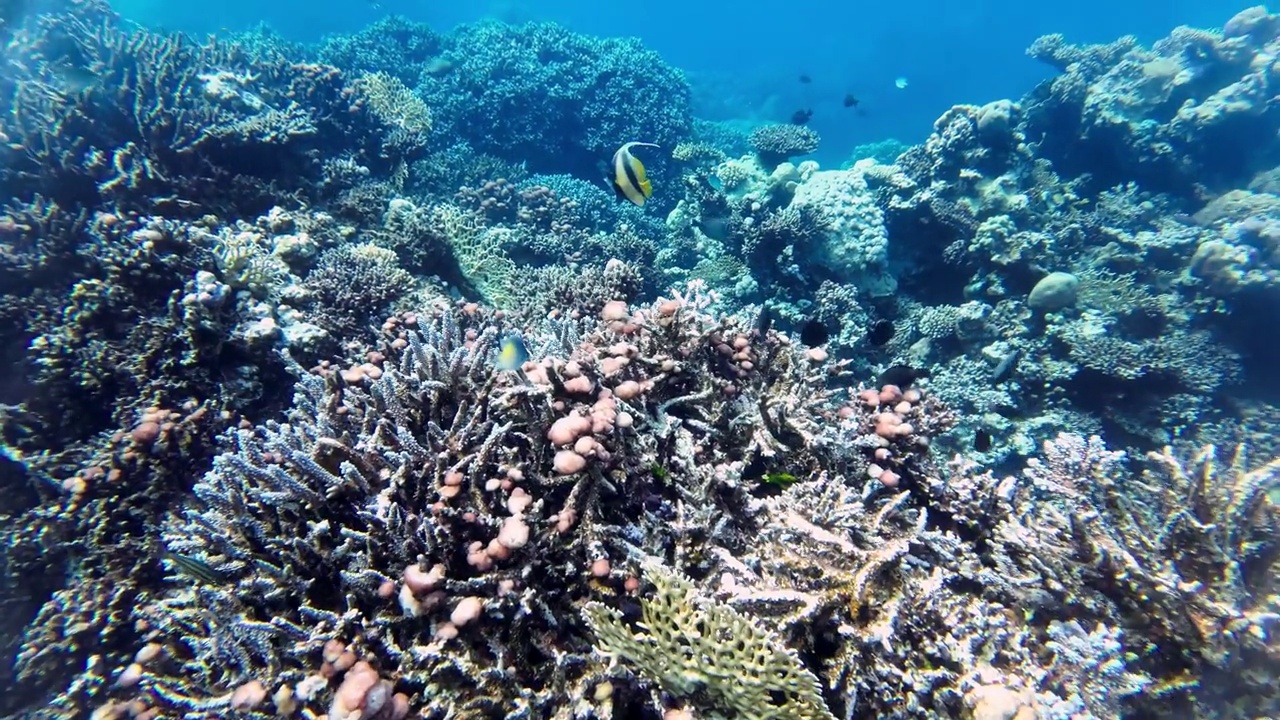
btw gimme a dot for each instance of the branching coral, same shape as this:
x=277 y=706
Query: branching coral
x=417 y=511
x=167 y=119
x=354 y=284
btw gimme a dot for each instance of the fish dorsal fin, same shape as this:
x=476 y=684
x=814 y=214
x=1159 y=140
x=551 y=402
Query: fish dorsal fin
x=626 y=147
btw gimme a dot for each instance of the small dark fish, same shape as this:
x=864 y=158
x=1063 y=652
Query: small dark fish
x=881 y=332
x=1006 y=367
x=982 y=440
x=814 y=333
x=764 y=321
x=196 y=569
x=629 y=180
x=850 y=101
x=901 y=375
x=805 y=79
x=800 y=117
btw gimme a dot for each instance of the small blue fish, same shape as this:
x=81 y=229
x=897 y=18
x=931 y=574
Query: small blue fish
x=512 y=352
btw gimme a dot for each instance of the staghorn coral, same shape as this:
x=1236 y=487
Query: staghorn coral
x=556 y=290
x=416 y=511
x=393 y=44
x=95 y=526
x=1187 y=554
x=125 y=386
x=354 y=284
x=170 y=125
x=445 y=169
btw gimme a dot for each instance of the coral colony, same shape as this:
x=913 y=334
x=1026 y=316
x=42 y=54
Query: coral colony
x=334 y=396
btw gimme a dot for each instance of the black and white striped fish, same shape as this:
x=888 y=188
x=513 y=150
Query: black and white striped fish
x=629 y=180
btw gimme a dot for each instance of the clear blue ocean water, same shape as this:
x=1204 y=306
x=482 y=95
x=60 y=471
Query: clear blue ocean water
x=744 y=58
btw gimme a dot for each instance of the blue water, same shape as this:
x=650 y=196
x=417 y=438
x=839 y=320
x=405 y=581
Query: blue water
x=749 y=55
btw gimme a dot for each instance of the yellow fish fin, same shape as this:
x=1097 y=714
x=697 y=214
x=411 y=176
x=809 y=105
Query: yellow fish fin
x=642 y=178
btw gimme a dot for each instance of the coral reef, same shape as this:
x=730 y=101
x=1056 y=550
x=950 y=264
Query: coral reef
x=343 y=388
x=1176 y=116
x=433 y=490
x=553 y=99
x=103 y=113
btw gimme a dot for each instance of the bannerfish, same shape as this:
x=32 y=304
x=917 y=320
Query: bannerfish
x=629 y=180
x=512 y=352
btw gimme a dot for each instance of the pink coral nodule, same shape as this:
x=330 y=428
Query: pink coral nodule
x=568 y=462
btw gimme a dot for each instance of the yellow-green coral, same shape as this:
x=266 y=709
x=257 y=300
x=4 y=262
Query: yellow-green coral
x=698 y=152
x=719 y=269
x=394 y=103
x=722 y=661
x=479 y=252
x=246 y=265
